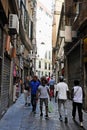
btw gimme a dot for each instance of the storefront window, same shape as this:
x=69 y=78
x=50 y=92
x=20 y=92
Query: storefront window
x=45 y=65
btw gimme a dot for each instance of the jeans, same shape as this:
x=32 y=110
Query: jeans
x=62 y=102
x=79 y=106
x=26 y=96
x=33 y=102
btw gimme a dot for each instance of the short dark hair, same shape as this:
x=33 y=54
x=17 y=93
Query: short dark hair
x=76 y=82
x=43 y=78
x=61 y=78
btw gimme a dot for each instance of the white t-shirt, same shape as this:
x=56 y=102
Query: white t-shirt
x=78 y=94
x=43 y=91
x=62 y=89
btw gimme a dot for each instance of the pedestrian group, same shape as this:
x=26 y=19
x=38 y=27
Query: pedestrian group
x=43 y=90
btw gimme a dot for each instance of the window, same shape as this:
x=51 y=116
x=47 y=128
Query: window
x=49 y=55
x=42 y=73
x=24 y=16
x=41 y=8
x=49 y=74
x=49 y=66
x=31 y=30
x=39 y=64
x=45 y=73
x=47 y=14
x=45 y=65
x=42 y=43
x=46 y=55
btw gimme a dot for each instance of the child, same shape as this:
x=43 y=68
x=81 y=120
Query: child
x=43 y=89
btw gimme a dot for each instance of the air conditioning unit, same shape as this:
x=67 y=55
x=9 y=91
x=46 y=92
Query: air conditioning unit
x=13 y=24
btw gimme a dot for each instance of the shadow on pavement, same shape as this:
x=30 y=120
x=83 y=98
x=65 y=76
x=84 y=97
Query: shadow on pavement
x=81 y=128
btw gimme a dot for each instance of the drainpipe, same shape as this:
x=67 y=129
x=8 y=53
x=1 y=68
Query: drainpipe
x=34 y=35
x=81 y=72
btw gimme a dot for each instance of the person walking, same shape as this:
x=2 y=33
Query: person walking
x=26 y=88
x=21 y=85
x=51 y=85
x=43 y=91
x=77 y=95
x=34 y=83
x=62 y=91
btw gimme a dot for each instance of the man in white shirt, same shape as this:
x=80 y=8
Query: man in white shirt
x=62 y=92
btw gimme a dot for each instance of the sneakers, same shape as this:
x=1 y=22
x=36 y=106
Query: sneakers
x=34 y=112
x=81 y=124
x=41 y=114
x=73 y=118
x=29 y=104
x=60 y=118
x=66 y=120
x=25 y=104
x=46 y=117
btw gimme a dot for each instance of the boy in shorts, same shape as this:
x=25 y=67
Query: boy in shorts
x=43 y=90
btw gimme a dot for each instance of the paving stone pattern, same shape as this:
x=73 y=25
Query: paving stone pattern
x=19 y=117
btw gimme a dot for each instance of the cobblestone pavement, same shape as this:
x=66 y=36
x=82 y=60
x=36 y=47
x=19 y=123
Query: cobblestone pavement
x=19 y=117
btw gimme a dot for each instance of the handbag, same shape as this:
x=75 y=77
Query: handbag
x=50 y=107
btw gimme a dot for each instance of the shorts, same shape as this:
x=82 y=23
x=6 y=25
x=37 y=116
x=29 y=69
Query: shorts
x=45 y=100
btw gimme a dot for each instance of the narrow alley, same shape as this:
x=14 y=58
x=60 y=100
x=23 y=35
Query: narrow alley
x=19 y=117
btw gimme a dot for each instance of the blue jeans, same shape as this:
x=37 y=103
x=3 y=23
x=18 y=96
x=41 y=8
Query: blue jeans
x=33 y=102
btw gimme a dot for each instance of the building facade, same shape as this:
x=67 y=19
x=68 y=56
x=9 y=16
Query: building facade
x=43 y=40
x=57 y=42
x=16 y=36
x=44 y=65
x=74 y=34
x=76 y=50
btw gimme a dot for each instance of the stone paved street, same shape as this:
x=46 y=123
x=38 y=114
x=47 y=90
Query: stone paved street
x=19 y=117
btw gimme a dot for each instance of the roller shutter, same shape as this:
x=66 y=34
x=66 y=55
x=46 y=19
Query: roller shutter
x=6 y=83
x=74 y=65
